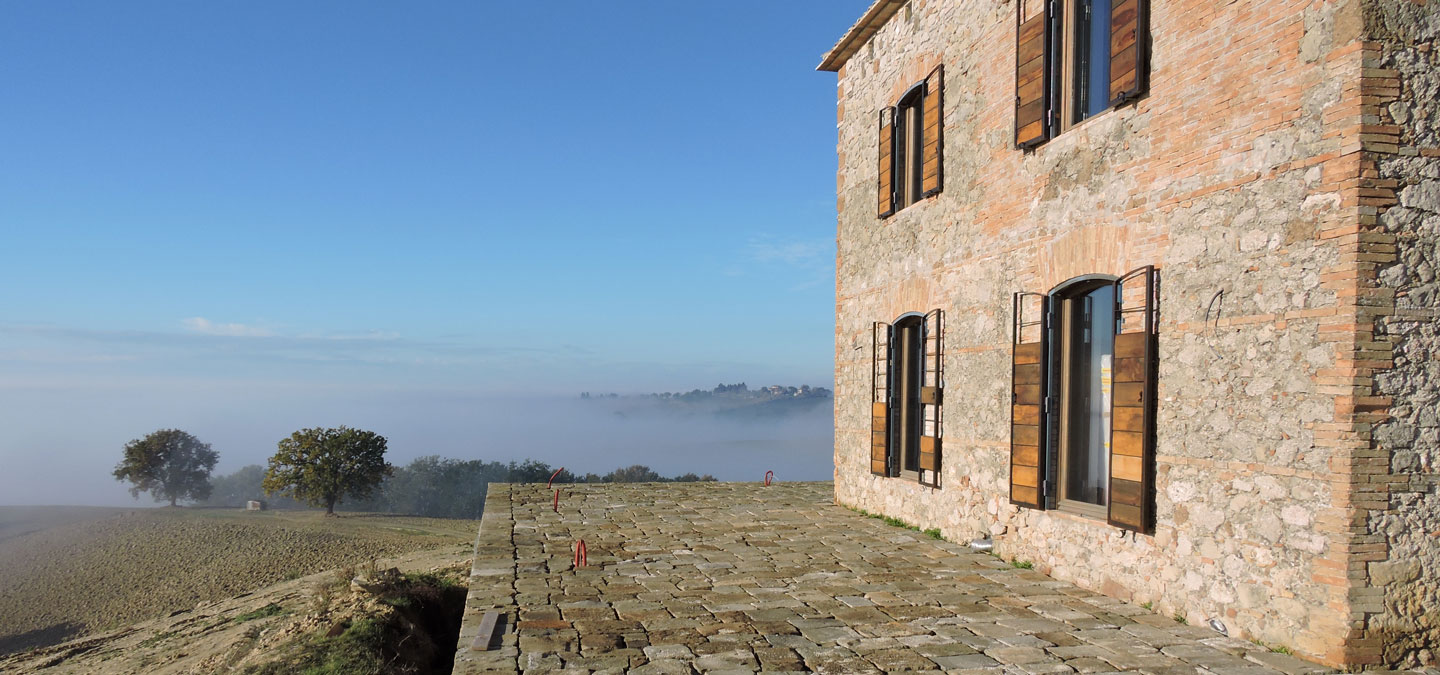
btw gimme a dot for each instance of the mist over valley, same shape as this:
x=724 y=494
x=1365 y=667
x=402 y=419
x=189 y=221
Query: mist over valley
x=729 y=437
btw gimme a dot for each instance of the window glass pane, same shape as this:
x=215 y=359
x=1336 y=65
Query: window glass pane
x=909 y=141
x=909 y=138
x=1089 y=346
x=1097 y=73
x=917 y=166
x=900 y=151
x=907 y=428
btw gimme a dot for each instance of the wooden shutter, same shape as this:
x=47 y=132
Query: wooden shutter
x=1129 y=38
x=932 y=383
x=933 y=142
x=880 y=460
x=1032 y=76
x=1132 y=403
x=886 y=187
x=1028 y=380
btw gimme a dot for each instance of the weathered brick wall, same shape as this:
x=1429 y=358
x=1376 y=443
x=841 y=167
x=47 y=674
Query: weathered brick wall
x=1403 y=77
x=1241 y=176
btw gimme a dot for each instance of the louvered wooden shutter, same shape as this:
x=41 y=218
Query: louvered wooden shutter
x=880 y=461
x=886 y=186
x=1028 y=379
x=932 y=394
x=1129 y=39
x=933 y=143
x=1032 y=77
x=1132 y=403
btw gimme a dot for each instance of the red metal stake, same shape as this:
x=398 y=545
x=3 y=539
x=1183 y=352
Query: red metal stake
x=769 y=475
x=552 y=477
x=580 y=557
x=557 y=500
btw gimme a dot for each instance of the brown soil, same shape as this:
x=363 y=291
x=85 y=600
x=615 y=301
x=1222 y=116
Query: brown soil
x=285 y=628
x=66 y=572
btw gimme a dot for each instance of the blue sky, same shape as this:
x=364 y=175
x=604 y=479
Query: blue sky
x=226 y=210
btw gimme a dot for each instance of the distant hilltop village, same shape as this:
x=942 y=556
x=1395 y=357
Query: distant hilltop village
x=725 y=399
x=740 y=390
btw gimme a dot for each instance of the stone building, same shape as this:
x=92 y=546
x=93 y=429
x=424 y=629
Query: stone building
x=1146 y=291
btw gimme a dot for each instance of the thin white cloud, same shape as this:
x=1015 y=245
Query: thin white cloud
x=810 y=263
x=207 y=327
x=342 y=337
x=789 y=252
x=204 y=339
x=51 y=356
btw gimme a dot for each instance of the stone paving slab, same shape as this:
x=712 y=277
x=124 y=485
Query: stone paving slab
x=737 y=577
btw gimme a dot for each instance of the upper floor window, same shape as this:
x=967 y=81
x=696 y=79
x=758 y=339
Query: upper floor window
x=1087 y=45
x=911 y=145
x=1075 y=59
x=909 y=128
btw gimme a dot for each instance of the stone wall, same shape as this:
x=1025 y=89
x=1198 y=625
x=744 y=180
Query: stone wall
x=1242 y=176
x=1405 y=78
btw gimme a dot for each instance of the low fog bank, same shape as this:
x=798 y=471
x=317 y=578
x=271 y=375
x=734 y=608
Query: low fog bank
x=68 y=443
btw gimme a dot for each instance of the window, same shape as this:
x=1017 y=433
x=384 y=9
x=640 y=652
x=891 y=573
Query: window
x=1086 y=346
x=1076 y=59
x=907 y=378
x=909 y=123
x=1082 y=404
x=910 y=166
x=1086 y=48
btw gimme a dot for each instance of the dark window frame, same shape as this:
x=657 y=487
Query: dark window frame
x=908 y=168
x=905 y=412
x=1066 y=341
x=1076 y=30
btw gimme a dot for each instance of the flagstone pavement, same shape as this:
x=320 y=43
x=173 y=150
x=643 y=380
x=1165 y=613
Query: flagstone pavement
x=738 y=577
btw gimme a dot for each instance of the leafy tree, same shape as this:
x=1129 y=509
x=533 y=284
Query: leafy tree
x=532 y=471
x=441 y=487
x=169 y=464
x=236 y=488
x=637 y=473
x=246 y=483
x=323 y=466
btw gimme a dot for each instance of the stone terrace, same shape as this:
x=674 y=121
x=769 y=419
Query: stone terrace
x=688 y=577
